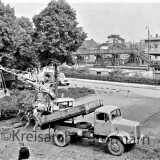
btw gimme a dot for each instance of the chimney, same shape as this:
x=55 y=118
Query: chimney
x=156 y=35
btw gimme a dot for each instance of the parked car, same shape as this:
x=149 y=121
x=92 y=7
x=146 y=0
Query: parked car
x=62 y=80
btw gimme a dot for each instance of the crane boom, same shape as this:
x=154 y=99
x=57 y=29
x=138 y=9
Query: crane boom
x=24 y=76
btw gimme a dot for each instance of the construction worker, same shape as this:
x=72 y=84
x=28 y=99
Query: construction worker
x=53 y=107
x=42 y=101
x=41 y=105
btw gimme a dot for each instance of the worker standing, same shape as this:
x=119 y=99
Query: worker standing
x=42 y=102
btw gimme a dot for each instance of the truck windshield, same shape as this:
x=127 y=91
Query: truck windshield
x=115 y=113
x=63 y=105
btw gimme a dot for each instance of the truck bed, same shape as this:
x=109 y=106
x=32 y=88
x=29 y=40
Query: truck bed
x=69 y=113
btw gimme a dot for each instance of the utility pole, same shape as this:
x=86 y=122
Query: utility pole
x=140 y=45
x=148 y=48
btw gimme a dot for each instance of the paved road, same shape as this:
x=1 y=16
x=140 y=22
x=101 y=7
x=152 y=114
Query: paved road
x=138 y=102
x=138 y=89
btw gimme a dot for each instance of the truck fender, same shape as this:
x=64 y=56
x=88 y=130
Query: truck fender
x=123 y=136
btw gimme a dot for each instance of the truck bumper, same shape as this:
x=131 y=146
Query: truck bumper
x=133 y=140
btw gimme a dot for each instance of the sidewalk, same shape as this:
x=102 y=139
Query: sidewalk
x=133 y=85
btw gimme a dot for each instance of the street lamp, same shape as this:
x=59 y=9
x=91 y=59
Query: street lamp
x=148 y=48
x=140 y=45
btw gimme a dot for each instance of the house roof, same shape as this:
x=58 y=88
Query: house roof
x=89 y=44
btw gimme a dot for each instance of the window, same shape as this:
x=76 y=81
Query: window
x=1 y=86
x=63 y=105
x=156 y=57
x=156 y=45
x=102 y=117
x=115 y=113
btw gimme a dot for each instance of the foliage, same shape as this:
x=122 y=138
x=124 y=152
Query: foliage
x=123 y=79
x=57 y=34
x=24 y=57
x=117 y=72
x=138 y=75
x=9 y=106
x=75 y=92
x=74 y=69
x=16 y=49
x=8 y=30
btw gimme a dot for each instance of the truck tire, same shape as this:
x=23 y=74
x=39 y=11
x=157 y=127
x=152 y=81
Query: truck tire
x=129 y=147
x=83 y=125
x=115 y=146
x=62 y=139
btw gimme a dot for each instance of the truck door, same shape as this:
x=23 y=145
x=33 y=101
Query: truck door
x=102 y=124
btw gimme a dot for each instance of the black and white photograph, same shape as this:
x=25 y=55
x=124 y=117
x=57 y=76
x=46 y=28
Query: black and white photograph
x=79 y=80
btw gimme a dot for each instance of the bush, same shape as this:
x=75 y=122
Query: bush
x=113 y=78
x=74 y=69
x=117 y=72
x=138 y=75
x=75 y=92
x=9 y=106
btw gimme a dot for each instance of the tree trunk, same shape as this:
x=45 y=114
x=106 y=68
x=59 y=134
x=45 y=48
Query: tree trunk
x=56 y=79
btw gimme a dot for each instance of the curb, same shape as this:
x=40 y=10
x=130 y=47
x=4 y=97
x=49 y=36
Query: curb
x=133 y=85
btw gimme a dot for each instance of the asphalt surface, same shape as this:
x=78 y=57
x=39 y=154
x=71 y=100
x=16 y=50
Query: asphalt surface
x=138 y=89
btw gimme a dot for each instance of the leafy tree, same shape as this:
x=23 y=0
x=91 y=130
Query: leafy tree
x=8 y=30
x=24 y=57
x=16 y=50
x=57 y=34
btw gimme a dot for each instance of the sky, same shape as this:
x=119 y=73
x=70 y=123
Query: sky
x=100 y=18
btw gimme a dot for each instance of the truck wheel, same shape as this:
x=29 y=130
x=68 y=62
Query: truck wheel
x=129 y=147
x=83 y=125
x=62 y=139
x=115 y=147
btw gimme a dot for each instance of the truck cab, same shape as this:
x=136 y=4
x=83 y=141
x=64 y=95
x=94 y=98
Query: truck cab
x=64 y=103
x=110 y=126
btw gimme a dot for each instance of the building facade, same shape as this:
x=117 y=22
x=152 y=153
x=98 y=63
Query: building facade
x=83 y=58
x=152 y=47
x=152 y=50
